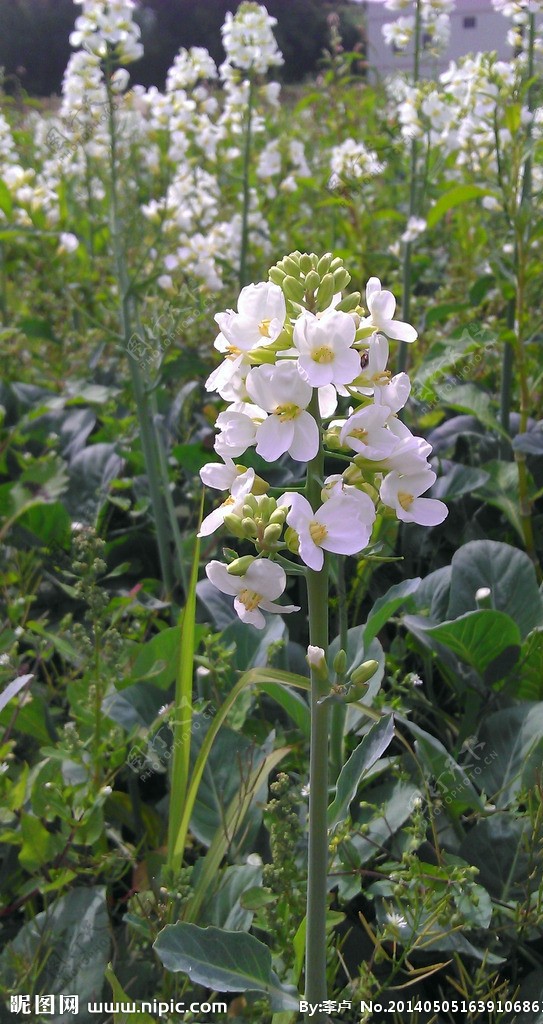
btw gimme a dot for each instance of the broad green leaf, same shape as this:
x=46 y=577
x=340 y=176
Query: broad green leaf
x=513 y=751
x=498 y=846
x=69 y=946
x=226 y=906
x=501 y=490
x=527 y=680
x=472 y=399
x=39 y=846
x=531 y=443
x=291 y=702
x=221 y=960
x=155 y=660
x=457 y=195
x=457 y=481
x=385 y=606
x=374 y=744
x=506 y=571
x=387 y=807
x=488 y=640
x=453 y=782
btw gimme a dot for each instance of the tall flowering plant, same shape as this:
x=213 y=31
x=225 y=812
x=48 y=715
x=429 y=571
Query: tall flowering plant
x=304 y=373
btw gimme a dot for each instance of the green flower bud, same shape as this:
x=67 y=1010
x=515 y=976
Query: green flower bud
x=233 y=525
x=261 y=355
x=312 y=281
x=325 y=293
x=292 y=540
x=323 y=266
x=349 y=303
x=291 y=266
x=340 y=662
x=293 y=289
x=336 y=264
x=272 y=533
x=306 y=263
x=364 y=672
x=331 y=439
x=240 y=565
x=279 y=515
x=266 y=507
x=249 y=527
x=277 y=276
x=260 y=486
x=341 y=279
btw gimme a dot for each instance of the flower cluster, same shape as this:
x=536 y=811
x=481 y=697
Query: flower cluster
x=435 y=21
x=294 y=350
x=518 y=12
x=108 y=25
x=249 y=41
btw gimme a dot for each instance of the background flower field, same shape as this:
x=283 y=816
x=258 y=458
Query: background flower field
x=205 y=272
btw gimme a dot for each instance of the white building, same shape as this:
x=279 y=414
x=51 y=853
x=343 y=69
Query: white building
x=475 y=26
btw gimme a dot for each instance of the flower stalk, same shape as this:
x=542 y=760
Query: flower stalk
x=317 y=594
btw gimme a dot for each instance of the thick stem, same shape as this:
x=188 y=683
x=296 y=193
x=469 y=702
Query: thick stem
x=148 y=440
x=339 y=711
x=246 y=191
x=406 y=262
x=317 y=593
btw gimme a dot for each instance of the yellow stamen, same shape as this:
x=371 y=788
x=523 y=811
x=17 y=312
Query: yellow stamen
x=250 y=599
x=323 y=355
x=264 y=328
x=381 y=378
x=317 y=532
x=287 y=412
x=233 y=351
x=359 y=433
x=406 y=500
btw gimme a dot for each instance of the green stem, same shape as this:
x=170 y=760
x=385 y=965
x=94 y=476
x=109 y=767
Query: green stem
x=406 y=262
x=146 y=428
x=339 y=711
x=246 y=190
x=317 y=593
x=3 y=286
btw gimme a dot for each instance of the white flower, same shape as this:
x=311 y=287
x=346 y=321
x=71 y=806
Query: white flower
x=68 y=242
x=237 y=433
x=381 y=305
x=325 y=348
x=258 y=321
x=365 y=433
x=394 y=393
x=281 y=392
x=220 y=476
x=402 y=493
x=262 y=583
x=241 y=486
x=342 y=525
x=315 y=657
x=415 y=227
x=412 y=452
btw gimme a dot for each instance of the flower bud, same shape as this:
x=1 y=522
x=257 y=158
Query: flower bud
x=341 y=279
x=272 y=533
x=483 y=597
x=240 y=565
x=323 y=266
x=292 y=266
x=277 y=276
x=260 y=486
x=279 y=515
x=292 y=540
x=336 y=264
x=316 y=660
x=340 y=662
x=349 y=303
x=306 y=263
x=261 y=355
x=293 y=289
x=325 y=293
x=312 y=281
x=249 y=527
x=233 y=525
x=363 y=673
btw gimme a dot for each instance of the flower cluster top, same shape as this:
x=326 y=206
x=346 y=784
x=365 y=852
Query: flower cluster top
x=293 y=351
x=108 y=25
